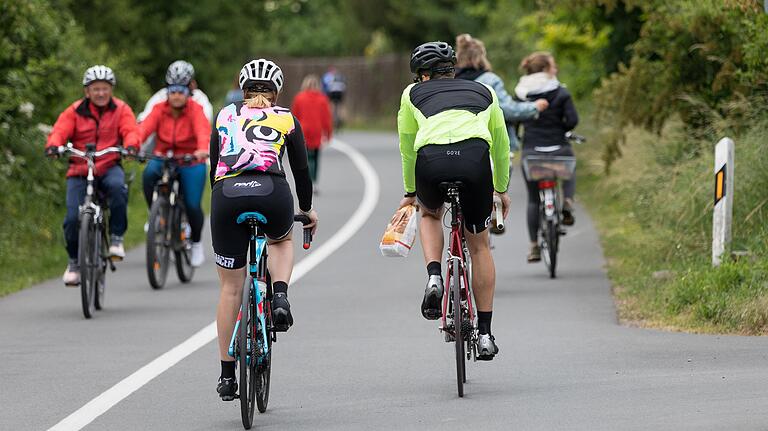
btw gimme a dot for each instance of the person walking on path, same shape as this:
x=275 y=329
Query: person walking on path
x=472 y=64
x=313 y=110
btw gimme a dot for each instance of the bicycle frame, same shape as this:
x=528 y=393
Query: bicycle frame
x=457 y=255
x=256 y=266
x=550 y=194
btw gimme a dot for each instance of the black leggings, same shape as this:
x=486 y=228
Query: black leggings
x=534 y=200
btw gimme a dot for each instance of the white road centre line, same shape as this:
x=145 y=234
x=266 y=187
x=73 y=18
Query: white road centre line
x=108 y=399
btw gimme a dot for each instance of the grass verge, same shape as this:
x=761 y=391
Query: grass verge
x=654 y=215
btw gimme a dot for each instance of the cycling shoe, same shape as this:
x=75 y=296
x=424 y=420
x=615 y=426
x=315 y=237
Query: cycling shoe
x=431 y=307
x=227 y=388
x=486 y=347
x=281 y=312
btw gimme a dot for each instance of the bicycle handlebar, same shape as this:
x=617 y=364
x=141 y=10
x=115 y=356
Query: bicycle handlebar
x=84 y=154
x=184 y=158
x=304 y=220
x=574 y=138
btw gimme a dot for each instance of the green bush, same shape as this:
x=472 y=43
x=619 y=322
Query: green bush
x=702 y=60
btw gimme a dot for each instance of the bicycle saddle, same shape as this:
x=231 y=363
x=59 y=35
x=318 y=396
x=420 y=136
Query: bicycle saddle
x=446 y=185
x=251 y=217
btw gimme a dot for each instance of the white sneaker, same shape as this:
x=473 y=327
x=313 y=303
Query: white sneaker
x=71 y=276
x=116 y=250
x=198 y=257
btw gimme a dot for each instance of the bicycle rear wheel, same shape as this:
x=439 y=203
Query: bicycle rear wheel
x=157 y=243
x=457 y=328
x=552 y=239
x=182 y=244
x=247 y=358
x=87 y=264
x=264 y=366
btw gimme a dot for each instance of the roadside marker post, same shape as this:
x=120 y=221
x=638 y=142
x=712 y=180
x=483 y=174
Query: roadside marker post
x=723 y=211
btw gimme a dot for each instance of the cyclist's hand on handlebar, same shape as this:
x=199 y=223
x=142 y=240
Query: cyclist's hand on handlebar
x=541 y=104
x=201 y=155
x=411 y=200
x=312 y=214
x=132 y=151
x=506 y=202
x=52 y=152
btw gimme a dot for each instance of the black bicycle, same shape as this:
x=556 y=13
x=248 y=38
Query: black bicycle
x=93 y=240
x=254 y=333
x=168 y=231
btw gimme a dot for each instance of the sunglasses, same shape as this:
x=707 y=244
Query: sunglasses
x=183 y=89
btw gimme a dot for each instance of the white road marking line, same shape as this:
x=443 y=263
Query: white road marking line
x=108 y=399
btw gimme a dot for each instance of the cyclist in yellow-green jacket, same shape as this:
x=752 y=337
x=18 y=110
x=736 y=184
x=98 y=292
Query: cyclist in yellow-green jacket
x=454 y=130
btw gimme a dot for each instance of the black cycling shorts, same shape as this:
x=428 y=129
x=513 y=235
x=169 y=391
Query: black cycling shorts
x=467 y=161
x=267 y=194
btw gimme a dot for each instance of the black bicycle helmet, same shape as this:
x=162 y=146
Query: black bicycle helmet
x=428 y=54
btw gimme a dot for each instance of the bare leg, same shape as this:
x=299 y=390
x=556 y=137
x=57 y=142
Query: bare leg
x=483 y=269
x=280 y=259
x=229 y=303
x=431 y=227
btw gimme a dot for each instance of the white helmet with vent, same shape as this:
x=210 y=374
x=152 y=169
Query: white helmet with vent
x=263 y=71
x=98 y=73
x=179 y=72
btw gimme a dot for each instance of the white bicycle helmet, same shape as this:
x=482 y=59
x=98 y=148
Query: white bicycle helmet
x=179 y=73
x=261 y=70
x=98 y=73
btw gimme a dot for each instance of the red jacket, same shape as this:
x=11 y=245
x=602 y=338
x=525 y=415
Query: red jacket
x=313 y=111
x=185 y=134
x=82 y=123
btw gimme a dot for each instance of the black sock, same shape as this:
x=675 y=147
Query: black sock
x=228 y=369
x=280 y=287
x=433 y=268
x=484 y=322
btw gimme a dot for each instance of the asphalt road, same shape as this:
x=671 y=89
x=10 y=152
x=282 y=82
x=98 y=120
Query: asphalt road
x=360 y=356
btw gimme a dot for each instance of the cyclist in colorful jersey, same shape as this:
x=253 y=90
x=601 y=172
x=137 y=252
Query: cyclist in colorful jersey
x=106 y=121
x=451 y=130
x=247 y=174
x=181 y=126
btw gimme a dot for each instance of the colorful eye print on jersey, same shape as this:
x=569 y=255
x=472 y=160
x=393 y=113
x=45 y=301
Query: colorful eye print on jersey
x=251 y=140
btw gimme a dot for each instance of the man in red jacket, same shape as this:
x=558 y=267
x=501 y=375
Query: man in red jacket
x=106 y=121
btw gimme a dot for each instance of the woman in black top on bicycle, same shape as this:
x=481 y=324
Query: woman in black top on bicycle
x=247 y=145
x=545 y=135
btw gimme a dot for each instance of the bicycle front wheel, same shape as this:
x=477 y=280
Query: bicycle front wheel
x=102 y=269
x=458 y=327
x=88 y=264
x=247 y=358
x=157 y=243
